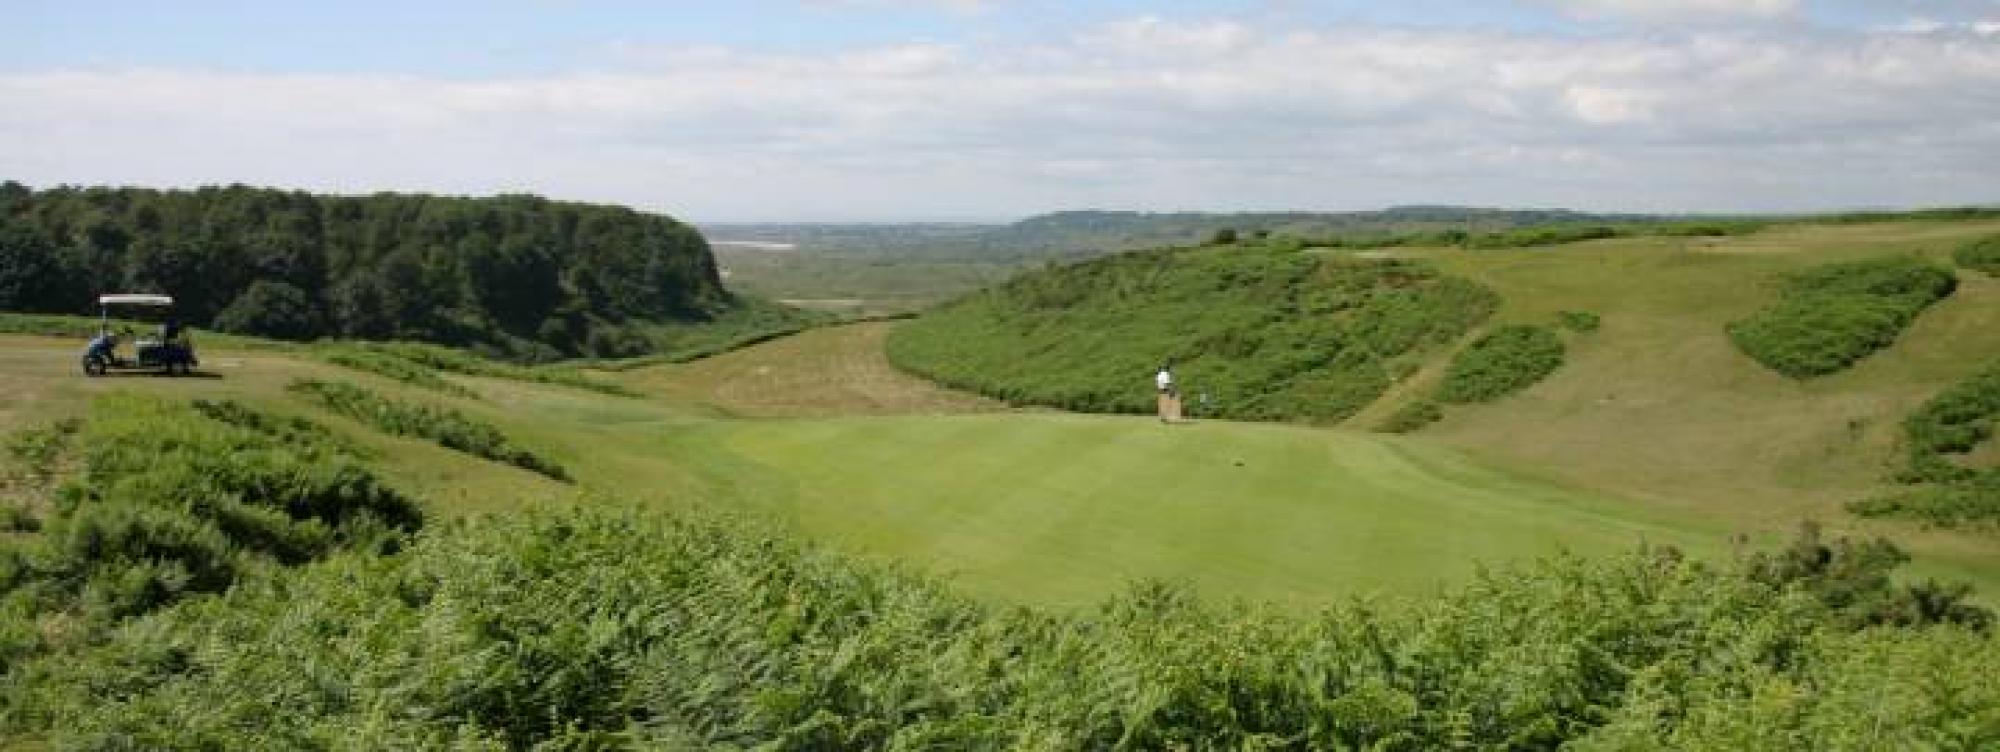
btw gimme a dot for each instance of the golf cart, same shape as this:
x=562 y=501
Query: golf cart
x=169 y=351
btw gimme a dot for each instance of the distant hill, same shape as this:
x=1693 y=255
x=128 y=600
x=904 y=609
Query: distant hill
x=516 y=275
x=1071 y=234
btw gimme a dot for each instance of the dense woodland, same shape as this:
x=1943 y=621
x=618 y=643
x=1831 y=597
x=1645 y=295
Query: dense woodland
x=516 y=275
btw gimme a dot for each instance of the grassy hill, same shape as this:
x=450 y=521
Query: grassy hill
x=1654 y=404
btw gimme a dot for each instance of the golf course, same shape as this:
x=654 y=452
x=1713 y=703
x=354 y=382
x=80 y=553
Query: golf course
x=1655 y=431
x=1593 y=444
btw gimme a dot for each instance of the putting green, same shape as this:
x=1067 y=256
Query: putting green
x=1061 y=509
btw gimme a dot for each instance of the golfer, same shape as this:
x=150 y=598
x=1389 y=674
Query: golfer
x=1164 y=382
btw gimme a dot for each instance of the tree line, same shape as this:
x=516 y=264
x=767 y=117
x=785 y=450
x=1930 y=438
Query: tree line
x=514 y=275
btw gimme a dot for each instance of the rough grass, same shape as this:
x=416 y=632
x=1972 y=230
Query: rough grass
x=449 y=428
x=827 y=371
x=1831 y=316
x=386 y=364
x=416 y=355
x=1938 y=439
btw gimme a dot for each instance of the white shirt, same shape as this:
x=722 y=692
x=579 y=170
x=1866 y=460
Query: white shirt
x=1165 y=380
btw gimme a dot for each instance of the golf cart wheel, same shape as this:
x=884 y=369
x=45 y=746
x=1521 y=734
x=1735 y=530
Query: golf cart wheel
x=93 y=367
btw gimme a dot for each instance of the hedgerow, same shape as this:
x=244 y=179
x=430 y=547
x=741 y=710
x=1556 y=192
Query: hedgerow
x=1504 y=361
x=1264 y=334
x=1831 y=316
x=565 y=630
x=1981 y=255
x=450 y=428
x=1948 y=492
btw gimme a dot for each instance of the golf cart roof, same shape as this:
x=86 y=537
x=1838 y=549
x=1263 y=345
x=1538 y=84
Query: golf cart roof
x=135 y=299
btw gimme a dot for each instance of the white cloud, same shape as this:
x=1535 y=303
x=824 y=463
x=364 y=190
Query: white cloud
x=1148 y=113
x=1677 y=9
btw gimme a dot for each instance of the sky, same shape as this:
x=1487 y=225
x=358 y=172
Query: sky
x=979 y=110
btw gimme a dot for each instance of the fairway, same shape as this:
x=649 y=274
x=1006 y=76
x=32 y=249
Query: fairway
x=1063 y=509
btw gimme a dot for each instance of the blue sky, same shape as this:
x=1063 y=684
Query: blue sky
x=962 y=109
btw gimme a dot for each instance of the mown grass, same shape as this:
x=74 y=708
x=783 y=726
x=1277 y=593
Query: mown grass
x=450 y=428
x=1263 y=334
x=1831 y=316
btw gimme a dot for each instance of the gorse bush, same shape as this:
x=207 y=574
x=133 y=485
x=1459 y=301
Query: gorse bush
x=170 y=502
x=449 y=428
x=592 y=630
x=1981 y=255
x=1504 y=361
x=1410 y=417
x=1265 y=334
x=1936 y=437
x=1581 y=322
x=1830 y=316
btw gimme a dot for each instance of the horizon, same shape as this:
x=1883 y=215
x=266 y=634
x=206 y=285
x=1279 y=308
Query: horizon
x=1013 y=219
x=974 y=111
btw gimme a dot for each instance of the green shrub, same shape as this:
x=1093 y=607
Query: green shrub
x=1970 y=502
x=1504 y=361
x=1410 y=417
x=1581 y=322
x=36 y=450
x=449 y=428
x=586 y=630
x=1981 y=255
x=1545 y=235
x=1267 y=335
x=1831 y=316
x=1947 y=492
x=172 y=503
